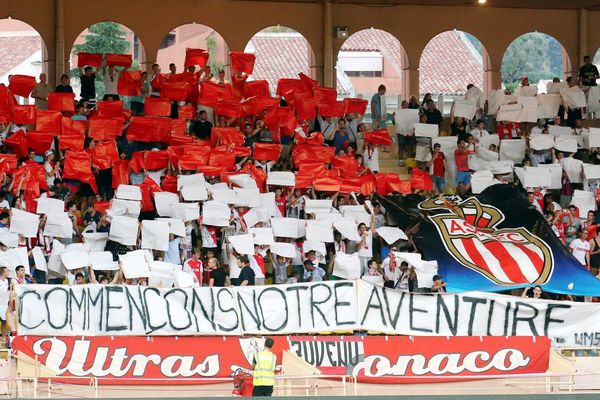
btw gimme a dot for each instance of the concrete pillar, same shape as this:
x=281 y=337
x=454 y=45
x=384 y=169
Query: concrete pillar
x=583 y=36
x=329 y=79
x=60 y=38
x=413 y=82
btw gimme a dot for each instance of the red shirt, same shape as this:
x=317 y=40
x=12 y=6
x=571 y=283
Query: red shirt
x=539 y=197
x=196 y=266
x=508 y=131
x=260 y=260
x=438 y=165
x=280 y=203
x=462 y=160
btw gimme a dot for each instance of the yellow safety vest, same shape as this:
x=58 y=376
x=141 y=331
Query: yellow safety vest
x=264 y=369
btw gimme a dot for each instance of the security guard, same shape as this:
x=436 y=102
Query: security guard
x=264 y=370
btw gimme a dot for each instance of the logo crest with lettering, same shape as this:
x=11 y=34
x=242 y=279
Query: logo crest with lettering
x=470 y=233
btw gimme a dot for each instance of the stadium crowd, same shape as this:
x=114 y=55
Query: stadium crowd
x=150 y=129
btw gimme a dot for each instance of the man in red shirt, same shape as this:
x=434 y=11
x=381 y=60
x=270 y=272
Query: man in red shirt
x=280 y=201
x=509 y=130
x=461 y=157
x=438 y=160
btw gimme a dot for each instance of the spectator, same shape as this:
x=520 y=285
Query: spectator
x=111 y=79
x=580 y=248
x=247 y=274
x=438 y=162
x=313 y=273
x=194 y=266
x=218 y=277
x=588 y=73
x=461 y=157
x=87 y=79
x=439 y=286
x=64 y=86
x=40 y=93
x=433 y=115
x=379 y=108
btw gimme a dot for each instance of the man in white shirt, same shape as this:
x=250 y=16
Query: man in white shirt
x=365 y=246
x=111 y=78
x=371 y=157
x=539 y=127
x=4 y=296
x=479 y=131
x=580 y=248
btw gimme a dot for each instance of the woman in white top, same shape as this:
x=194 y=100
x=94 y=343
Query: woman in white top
x=51 y=168
x=371 y=157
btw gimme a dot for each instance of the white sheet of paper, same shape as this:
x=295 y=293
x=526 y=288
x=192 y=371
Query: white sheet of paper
x=128 y=192
x=513 y=150
x=495 y=99
x=243 y=244
x=555 y=175
x=318 y=247
x=358 y=213
x=548 y=105
x=194 y=193
x=134 y=264
x=215 y=213
x=127 y=208
x=191 y=180
x=227 y=196
x=182 y=279
x=573 y=168
x=256 y=215
x=155 y=235
x=58 y=225
x=160 y=279
x=281 y=178
x=268 y=200
x=288 y=227
x=528 y=91
x=486 y=154
x=176 y=226
x=574 y=97
x=427 y=130
x=425 y=272
x=96 y=241
x=557 y=130
x=74 y=259
x=347 y=266
x=54 y=262
x=530 y=108
x=9 y=239
x=541 y=142
x=464 y=108
x=584 y=201
x=317 y=206
x=48 y=205
x=501 y=167
x=486 y=141
x=510 y=112
x=103 y=261
x=24 y=223
x=566 y=144
x=593 y=101
x=12 y=258
x=124 y=230
x=348 y=227
x=537 y=177
x=591 y=171
x=319 y=231
x=186 y=211
x=406 y=120
x=262 y=236
x=373 y=279
x=481 y=180
x=164 y=202
x=282 y=249
x=391 y=234
x=247 y=197
x=555 y=87
x=476 y=96
x=243 y=181
x=39 y=261
x=594 y=137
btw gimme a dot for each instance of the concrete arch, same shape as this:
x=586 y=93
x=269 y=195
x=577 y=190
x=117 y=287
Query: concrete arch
x=25 y=40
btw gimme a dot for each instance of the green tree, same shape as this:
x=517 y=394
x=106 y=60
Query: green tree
x=534 y=55
x=103 y=37
x=212 y=46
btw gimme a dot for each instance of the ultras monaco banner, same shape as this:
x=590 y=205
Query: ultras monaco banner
x=376 y=359
x=337 y=306
x=491 y=242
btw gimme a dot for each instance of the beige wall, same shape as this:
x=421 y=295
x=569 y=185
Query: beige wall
x=237 y=21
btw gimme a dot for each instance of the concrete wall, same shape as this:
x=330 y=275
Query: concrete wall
x=237 y=21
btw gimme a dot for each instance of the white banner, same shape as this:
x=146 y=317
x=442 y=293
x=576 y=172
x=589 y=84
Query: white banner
x=155 y=235
x=427 y=130
x=319 y=231
x=283 y=249
x=510 y=113
x=58 y=225
x=292 y=228
x=406 y=120
x=129 y=192
x=541 y=142
x=124 y=230
x=127 y=208
x=513 y=150
x=530 y=108
x=52 y=310
x=548 y=105
x=48 y=205
x=464 y=108
x=24 y=223
x=164 y=201
x=190 y=180
x=537 y=177
x=281 y=178
x=574 y=97
x=555 y=175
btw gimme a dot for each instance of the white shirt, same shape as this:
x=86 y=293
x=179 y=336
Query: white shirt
x=110 y=87
x=234 y=268
x=579 y=248
x=4 y=297
x=371 y=160
x=366 y=250
x=479 y=133
x=536 y=131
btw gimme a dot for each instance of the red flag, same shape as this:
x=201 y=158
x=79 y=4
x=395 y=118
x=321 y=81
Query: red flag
x=308 y=82
x=187 y=112
x=303 y=181
x=368 y=185
x=347 y=165
x=195 y=57
x=23 y=115
x=104 y=154
x=380 y=136
x=105 y=128
x=262 y=103
x=148 y=187
x=228 y=108
x=71 y=141
x=78 y=165
x=314 y=139
x=156 y=160
x=109 y=109
x=169 y=184
x=160 y=107
x=266 y=151
x=239 y=151
x=242 y=62
x=130 y=83
x=400 y=186
x=327 y=184
x=357 y=106
x=224 y=136
x=225 y=160
x=40 y=141
x=102 y=206
x=324 y=94
x=191 y=161
x=286 y=85
x=178 y=127
x=118 y=60
x=120 y=173
x=332 y=109
x=305 y=106
x=69 y=125
x=9 y=161
x=421 y=180
x=7 y=100
x=89 y=59
x=17 y=142
x=21 y=85
x=61 y=101
x=210 y=170
x=257 y=88
x=175 y=91
x=350 y=185
x=149 y=129
x=311 y=168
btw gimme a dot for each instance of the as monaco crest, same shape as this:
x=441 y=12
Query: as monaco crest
x=469 y=232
